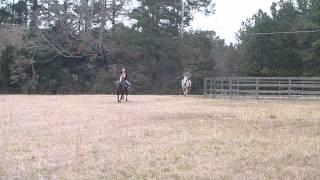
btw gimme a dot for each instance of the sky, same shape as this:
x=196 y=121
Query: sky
x=228 y=17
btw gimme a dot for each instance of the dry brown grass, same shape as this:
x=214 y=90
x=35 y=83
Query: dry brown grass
x=158 y=137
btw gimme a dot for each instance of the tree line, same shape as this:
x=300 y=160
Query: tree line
x=79 y=46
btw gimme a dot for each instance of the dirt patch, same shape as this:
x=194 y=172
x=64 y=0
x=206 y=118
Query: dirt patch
x=158 y=137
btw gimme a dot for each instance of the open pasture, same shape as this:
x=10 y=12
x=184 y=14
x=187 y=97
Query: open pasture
x=158 y=137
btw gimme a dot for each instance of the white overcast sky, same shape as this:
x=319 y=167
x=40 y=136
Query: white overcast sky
x=229 y=15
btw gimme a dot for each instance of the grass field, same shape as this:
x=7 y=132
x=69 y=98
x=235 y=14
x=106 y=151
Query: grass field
x=158 y=137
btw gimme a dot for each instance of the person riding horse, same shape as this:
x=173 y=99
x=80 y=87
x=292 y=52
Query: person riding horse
x=124 y=76
x=122 y=86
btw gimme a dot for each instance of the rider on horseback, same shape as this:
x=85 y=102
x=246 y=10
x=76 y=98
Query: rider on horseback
x=124 y=76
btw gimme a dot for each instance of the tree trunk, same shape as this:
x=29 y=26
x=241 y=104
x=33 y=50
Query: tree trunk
x=48 y=18
x=26 y=15
x=114 y=14
x=103 y=15
x=34 y=24
x=84 y=19
x=88 y=14
x=65 y=10
x=12 y=13
x=182 y=18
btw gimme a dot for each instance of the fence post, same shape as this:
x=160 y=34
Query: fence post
x=205 y=87
x=210 y=85
x=302 y=89
x=222 y=87
x=214 y=87
x=279 y=88
x=257 y=88
x=238 y=88
x=289 y=89
x=230 y=87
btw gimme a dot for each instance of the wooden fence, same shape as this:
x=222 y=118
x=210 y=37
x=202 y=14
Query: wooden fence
x=262 y=86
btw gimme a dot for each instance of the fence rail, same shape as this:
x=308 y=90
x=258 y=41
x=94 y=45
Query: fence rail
x=262 y=86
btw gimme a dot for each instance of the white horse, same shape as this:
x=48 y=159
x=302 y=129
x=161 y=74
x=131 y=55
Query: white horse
x=185 y=84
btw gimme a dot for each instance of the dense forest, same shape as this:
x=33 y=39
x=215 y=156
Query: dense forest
x=79 y=46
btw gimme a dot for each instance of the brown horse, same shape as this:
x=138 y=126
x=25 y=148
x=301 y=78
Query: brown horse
x=122 y=90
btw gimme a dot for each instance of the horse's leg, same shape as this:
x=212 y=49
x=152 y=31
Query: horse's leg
x=118 y=98
x=126 y=95
x=124 y=92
